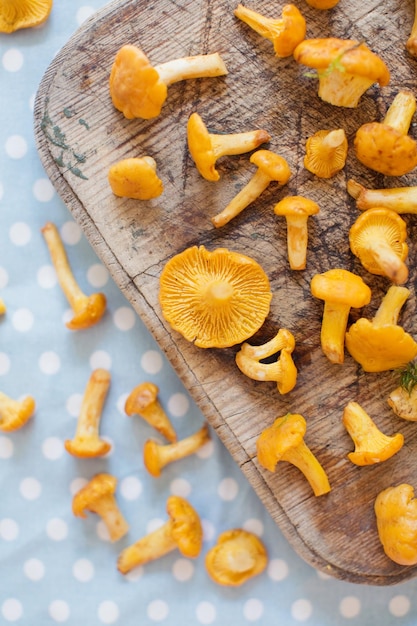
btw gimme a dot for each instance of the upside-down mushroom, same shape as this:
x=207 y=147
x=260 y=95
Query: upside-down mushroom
x=97 y=496
x=341 y=290
x=326 y=152
x=135 y=178
x=138 y=89
x=371 y=445
x=237 y=556
x=396 y=516
x=386 y=147
x=156 y=456
x=284 y=441
x=296 y=210
x=15 y=413
x=411 y=43
x=182 y=531
x=87 y=310
x=377 y=238
x=283 y=371
x=271 y=167
x=381 y=344
x=403 y=399
x=346 y=68
x=17 y=14
x=217 y=298
x=398 y=199
x=285 y=32
x=143 y=401
x=206 y=147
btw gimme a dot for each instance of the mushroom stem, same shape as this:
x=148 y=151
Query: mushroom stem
x=401 y=111
x=15 y=413
x=389 y=310
x=297 y=238
x=333 y=329
x=237 y=143
x=333 y=140
x=302 y=457
x=88 y=310
x=411 y=43
x=143 y=401
x=390 y=263
x=398 y=199
x=106 y=507
x=198 y=66
x=152 y=546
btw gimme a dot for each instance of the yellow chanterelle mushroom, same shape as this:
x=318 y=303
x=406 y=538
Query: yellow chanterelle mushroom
x=396 y=518
x=17 y=14
x=237 y=556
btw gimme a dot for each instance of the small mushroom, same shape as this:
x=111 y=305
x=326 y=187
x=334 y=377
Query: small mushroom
x=97 y=496
x=346 y=68
x=237 y=556
x=139 y=89
x=182 y=531
x=271 y=167
x=411 y=43
x=398 y=199
x=15 y=413
x=341 y=290
x=283 y=371
x=284 y=441
x=296 y=210
x=371 y=445
x=326 y=152
x=143 y=400
x=87 y=441
x=396 y=518
x=381 y=344
x=87 y=310
x=385 y=146
x=215 y=299
x=377 y=238
x=17 y=14
x=206 y=148
x=322 y=4
x=156 y=456
x=285 y=32
x=135 y=178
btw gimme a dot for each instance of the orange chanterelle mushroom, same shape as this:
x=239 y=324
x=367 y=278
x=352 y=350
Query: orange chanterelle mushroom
x=215 y=299
x=17 y=14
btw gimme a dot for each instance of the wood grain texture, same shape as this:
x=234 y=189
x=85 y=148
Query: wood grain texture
x=80 y=134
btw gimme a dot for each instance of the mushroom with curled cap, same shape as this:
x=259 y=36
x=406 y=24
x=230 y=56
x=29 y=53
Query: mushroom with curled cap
x=136 y=178
x=371 y=445
x=380 y=344
x=398 y=199
x=386 y=147
x=87 y=309
x=18 y=14
x=396 y=518
x=182 y=531
x=206 y=147
x=285 y=32
x=377 y=238
x=284 y=441
x=346 y=68
x=237 y=556
x=217 y=298
x=271 y=168
x=15 y=413
x=138 y=89
x=296 y=210
x=283 y=371
x=326 y=152
x=97 y=496
x=143 y=401
x=341 y=290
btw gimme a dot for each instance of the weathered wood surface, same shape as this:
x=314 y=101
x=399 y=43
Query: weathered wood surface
x=80 y=135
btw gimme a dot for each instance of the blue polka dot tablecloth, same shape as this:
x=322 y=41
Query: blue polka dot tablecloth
x=56 y=568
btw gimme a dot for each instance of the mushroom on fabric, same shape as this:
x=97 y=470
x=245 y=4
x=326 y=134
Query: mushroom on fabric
x=237 y=556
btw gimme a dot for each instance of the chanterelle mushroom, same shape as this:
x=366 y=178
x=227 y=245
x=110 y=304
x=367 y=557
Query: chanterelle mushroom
x=326 y=152
x=206 y=148
x=182 y=531
x=340 y=290
x=237 y=556
x=385 y=146
x=135 y=178
x=381 y=344
x=15 y=413
x=411 y=43
x=396 y=517
x=398 y=199
x=143 y=400
x=322 y=4
x=285 y=32
x=17 y=14
x=215 y=299
x=377 y=238
x=346 y=68
x=139 y=89
x=297 y=210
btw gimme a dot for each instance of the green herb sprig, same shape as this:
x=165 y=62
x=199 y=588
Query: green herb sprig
x=408 y=377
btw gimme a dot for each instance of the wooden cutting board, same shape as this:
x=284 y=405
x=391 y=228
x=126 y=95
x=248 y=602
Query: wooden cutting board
x=80 y=135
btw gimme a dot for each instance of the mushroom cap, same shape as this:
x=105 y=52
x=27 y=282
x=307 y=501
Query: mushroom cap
x=237 y=556
x=135 y=86
x=136 y=178
x=341 y=287
x=100 y=486
x=380 y=348
x=186 y=529
x=396 y=516
x=296 y=206
x=201 y=148
x=384 y=149
x=90 y=312
x=215 y=299
x=273 y=165
x=322 y=160
x=23 y=14
x=356 y=58
x=285 y=433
